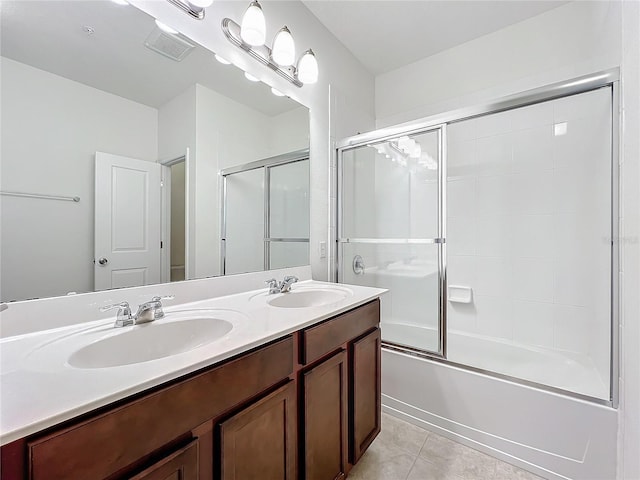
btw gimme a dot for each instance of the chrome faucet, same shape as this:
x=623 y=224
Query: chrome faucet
x=151 y=310
x=283 y=287
x=147 y=312
x=124 y=318
x=289 y=280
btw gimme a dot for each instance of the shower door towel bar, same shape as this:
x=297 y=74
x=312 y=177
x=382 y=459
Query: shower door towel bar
x=46 y=197
x=396 y=241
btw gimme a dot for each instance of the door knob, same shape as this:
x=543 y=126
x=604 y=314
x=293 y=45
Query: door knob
x=103 y=261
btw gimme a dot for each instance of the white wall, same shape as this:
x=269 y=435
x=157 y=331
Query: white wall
x=289 y=131
x=574 y=39
x=629 y=462
x=51 y=129
x=177 y=137
x=332 y=115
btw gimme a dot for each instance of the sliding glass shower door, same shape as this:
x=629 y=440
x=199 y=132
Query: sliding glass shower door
x=391 y=233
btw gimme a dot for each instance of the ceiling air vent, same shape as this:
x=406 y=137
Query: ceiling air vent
x=171 y=46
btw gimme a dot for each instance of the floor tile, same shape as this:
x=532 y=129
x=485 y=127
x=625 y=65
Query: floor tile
x=505 y=471
x=404 y=435
x=403 y=451
x=425 y=470
x=441 y=447
x=372 y=467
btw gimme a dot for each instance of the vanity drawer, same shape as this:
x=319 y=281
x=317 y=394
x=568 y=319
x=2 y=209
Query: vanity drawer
x=103 y=445
x=331 y=334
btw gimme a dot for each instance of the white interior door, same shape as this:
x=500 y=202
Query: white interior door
x=127 y=222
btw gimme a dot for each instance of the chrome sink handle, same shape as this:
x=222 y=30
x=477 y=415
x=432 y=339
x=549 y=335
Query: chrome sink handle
x=124 y=318
x=274 y=287
x=151 y=310
x=287 y=282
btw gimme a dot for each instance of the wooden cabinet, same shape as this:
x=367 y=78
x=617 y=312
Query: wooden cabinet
x=341 y=386
x=259 y=442
x=181 y=465
x=302 y=407
x=325 y=419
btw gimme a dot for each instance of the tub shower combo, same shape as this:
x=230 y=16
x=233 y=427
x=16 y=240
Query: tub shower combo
x=494 y=228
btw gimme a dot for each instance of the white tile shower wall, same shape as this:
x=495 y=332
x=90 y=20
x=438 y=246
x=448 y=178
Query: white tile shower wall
x=528 y=225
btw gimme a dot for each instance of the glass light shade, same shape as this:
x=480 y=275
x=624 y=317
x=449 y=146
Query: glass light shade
x=284 y=48
x=277 y=92
x=253 y=29
x=166 y=28
x=120 y=2
x=222 y=60
x=200 y=3
x=250 y=77
x=308 y=68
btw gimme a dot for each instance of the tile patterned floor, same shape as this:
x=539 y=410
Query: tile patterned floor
x=405 y=452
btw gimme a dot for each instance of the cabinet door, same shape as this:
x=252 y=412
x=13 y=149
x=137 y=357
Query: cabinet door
x=180 y=465
x=365 y=393
x=260 y=442
x=325 y=419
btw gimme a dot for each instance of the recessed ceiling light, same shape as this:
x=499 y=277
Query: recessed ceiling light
x=89 y=30
x=166 y=28
x=251 y=77
x=222 y=60
x=276 y=92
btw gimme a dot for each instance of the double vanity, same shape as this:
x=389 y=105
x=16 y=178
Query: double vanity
x=245 y=385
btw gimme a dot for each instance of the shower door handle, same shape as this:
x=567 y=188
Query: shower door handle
x=358 y=265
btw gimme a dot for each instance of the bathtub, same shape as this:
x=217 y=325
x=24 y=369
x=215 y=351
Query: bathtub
x=553 y=435
x=563 y=370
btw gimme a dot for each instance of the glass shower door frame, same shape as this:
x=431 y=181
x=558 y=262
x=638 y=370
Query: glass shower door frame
x=439 y=241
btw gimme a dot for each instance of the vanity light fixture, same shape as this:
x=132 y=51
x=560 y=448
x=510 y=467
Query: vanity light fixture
x=250 y=77
x=277 y=92
x=193 y=8
x=120 y=2
x=250 y=36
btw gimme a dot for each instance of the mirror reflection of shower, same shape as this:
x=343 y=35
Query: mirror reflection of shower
x=265 y=214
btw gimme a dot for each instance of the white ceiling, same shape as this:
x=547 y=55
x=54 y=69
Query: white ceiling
x=387 y=34
x=49 y=35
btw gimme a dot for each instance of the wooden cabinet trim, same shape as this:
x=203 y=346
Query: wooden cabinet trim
x=365 y=393
x=131 y=431
x=329 y=335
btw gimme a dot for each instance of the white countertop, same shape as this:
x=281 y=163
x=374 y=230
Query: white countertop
x=39 y=389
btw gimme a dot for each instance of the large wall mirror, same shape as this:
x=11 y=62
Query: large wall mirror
x=125 y=149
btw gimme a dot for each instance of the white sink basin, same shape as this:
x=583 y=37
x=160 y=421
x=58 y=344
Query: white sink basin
x=309 y=297
x=149 y=342
x=101 y=345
